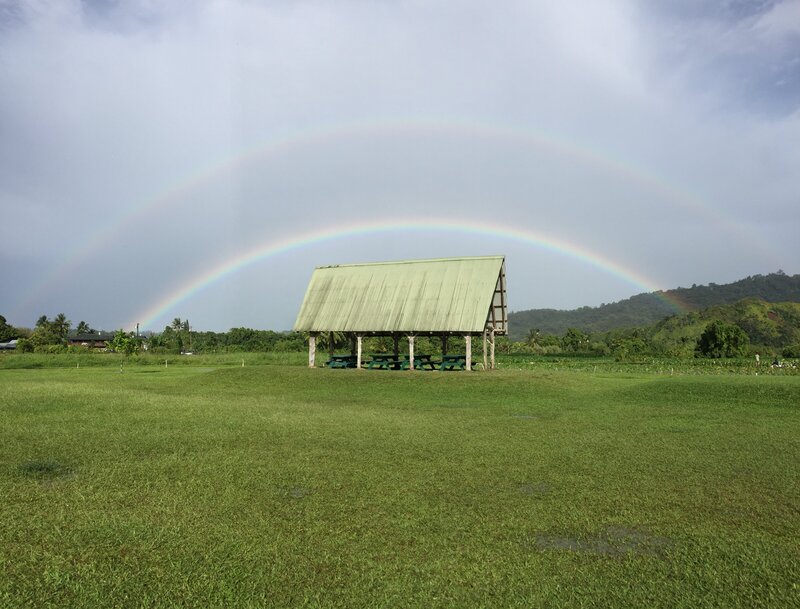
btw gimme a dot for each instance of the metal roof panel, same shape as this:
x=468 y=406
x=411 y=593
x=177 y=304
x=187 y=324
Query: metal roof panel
x=437 y=295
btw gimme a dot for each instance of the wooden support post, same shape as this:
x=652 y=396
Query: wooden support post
x=358 y=352
x=491 y=347
x=410 y=352
x=485 y=362
x=468 y=341
x=312 y=350
x=444 y=344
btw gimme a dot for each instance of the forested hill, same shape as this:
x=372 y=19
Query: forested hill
x=647 y=309
x=766 y=324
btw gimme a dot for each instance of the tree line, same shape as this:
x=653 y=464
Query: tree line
x=179 y=338
x=52 y=336
x=745 y=328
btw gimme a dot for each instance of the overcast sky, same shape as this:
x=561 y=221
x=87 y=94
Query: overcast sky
x=144 y=144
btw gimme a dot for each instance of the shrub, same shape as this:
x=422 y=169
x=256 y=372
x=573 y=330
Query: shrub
x=791 y=351
x=24 y=345
x=50 y=349
x=721 y=339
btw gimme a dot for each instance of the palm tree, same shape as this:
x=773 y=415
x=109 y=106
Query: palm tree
x=83 y=328
x=187 y=328
x=338 y=340
x=61 y=325
x=180 y=326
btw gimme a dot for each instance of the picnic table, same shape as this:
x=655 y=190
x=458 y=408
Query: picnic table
x=341 y=361
x=383 y=361
x=421 y=362
x=453 y=362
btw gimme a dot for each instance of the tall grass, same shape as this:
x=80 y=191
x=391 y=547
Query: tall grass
x=579 y=363
x=87 y=359
x=650 y=365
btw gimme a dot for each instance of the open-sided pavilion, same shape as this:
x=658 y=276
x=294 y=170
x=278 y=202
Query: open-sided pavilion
x=442 y=297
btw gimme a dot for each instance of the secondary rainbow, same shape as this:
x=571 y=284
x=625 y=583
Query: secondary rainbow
x=276 y=247
x=177 y=193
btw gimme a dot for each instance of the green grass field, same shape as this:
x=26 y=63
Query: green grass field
x=278 y=486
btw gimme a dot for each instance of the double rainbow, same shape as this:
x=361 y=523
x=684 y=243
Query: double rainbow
x=177 y=193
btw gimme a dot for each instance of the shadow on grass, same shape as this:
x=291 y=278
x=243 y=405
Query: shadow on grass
x=45 y=470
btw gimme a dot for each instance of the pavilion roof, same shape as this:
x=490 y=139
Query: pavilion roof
x=445 y=295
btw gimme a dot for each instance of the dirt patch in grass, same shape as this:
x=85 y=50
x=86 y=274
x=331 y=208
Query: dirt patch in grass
x=295 y=492
x=536 y=489
x=614 y=541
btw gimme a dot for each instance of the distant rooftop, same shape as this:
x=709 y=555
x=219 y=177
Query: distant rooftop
x=87 y=336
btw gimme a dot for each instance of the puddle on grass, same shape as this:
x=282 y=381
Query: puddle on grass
x=615 y=541
x=45 y=470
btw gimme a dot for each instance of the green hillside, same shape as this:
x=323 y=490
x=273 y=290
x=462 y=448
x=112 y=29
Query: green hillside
x=650 y=308
x=769 y=325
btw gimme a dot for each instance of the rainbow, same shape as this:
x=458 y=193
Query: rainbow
x=276 y=247
x=177 y=193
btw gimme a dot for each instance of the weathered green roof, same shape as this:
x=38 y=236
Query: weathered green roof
x=443 y=295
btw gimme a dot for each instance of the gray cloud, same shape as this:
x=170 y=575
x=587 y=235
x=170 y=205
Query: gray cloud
x=143 y=143
x=746 y=53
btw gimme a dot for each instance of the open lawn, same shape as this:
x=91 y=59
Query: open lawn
x=279 y=486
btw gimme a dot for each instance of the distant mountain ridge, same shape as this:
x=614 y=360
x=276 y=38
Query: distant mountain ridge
x=650 y=308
